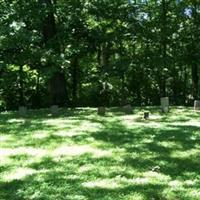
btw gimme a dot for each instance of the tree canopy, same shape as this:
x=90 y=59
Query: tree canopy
x=91 y=52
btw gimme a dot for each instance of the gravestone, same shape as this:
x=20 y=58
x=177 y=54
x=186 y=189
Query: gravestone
x=127 y=109
x=165 y=104
x=197 y=105
x=22 y=110
x=54 y=110
x=146 y=115
x=101 y=110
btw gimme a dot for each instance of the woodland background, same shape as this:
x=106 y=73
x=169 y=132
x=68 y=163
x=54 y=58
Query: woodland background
x=90 y=52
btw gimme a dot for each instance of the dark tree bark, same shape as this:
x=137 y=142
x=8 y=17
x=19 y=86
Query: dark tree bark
x=175 y=85
x=194 y=54
x=195 y=80
x=103 y=59
x=36 y=98
x=57 y=85
x=163 y=46
x=185 y=84
x=75 y=72
x=21 y=87
x=124 y=90
x=58 y=89
x=49 y=24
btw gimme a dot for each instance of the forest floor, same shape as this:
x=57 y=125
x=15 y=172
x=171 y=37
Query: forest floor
x=81 y=156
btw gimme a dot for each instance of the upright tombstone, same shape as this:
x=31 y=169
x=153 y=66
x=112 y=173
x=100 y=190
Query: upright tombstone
x=54 y=110
x=197 y=105
x=101 y=111
x=22 y=110
x=164 y=104
x=128 y=109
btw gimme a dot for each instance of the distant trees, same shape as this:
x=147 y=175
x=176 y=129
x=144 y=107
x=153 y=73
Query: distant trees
x=87 y=52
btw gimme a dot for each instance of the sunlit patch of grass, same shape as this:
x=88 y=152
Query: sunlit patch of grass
x=180 y=192
x=40 y=134
x=19 y=174
x=77 y=150
x=80 y=155
x=21 y=151
x=103 y=184
x=191 y=153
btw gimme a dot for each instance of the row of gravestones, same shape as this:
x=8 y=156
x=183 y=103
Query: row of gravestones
x=23 y=110
x=165 y=104
x=127 y=109
x=164 y=101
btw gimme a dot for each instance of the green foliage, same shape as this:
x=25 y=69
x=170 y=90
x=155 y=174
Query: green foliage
x=143 y=49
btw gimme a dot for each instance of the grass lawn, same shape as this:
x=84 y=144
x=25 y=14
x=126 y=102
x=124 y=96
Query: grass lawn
x=81 y=156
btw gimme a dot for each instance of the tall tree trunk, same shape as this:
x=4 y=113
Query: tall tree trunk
x=195 y=57
x=58 y=89
x=74 y=67
x=185 y=84
x=163 y=46
x=103 y=59
x=123 y=93
x=36 y=98
x=21 y=86
x=195 y=80
x=37 y=104
x=174 y=85
x=49 y=24
x=57 y=84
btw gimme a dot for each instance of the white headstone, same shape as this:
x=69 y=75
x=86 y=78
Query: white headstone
x=164 y=104
x=197 y=105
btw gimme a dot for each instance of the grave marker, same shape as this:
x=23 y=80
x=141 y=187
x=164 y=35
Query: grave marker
x=128 y=109
x=54 y=110
x=197 y=105
x=146 y=115
x=165 y=104
x=101 y=110
x=22 y=110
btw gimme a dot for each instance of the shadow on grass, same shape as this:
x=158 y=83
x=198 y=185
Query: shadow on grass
x=61 y=181
x=170 y=151
x=151 y=146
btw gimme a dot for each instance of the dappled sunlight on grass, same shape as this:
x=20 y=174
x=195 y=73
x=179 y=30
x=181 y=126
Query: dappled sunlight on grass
x=103 y=183
x=80 y=155
x=19 y=173
x=121 y=182
x=80 y=150
x=191 y=153
x=189 y=122
x=22 y=151
x=170 y=144
x=6 y=138
x=11 y=121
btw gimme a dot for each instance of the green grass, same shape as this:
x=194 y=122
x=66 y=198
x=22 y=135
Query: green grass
x=81 y=156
